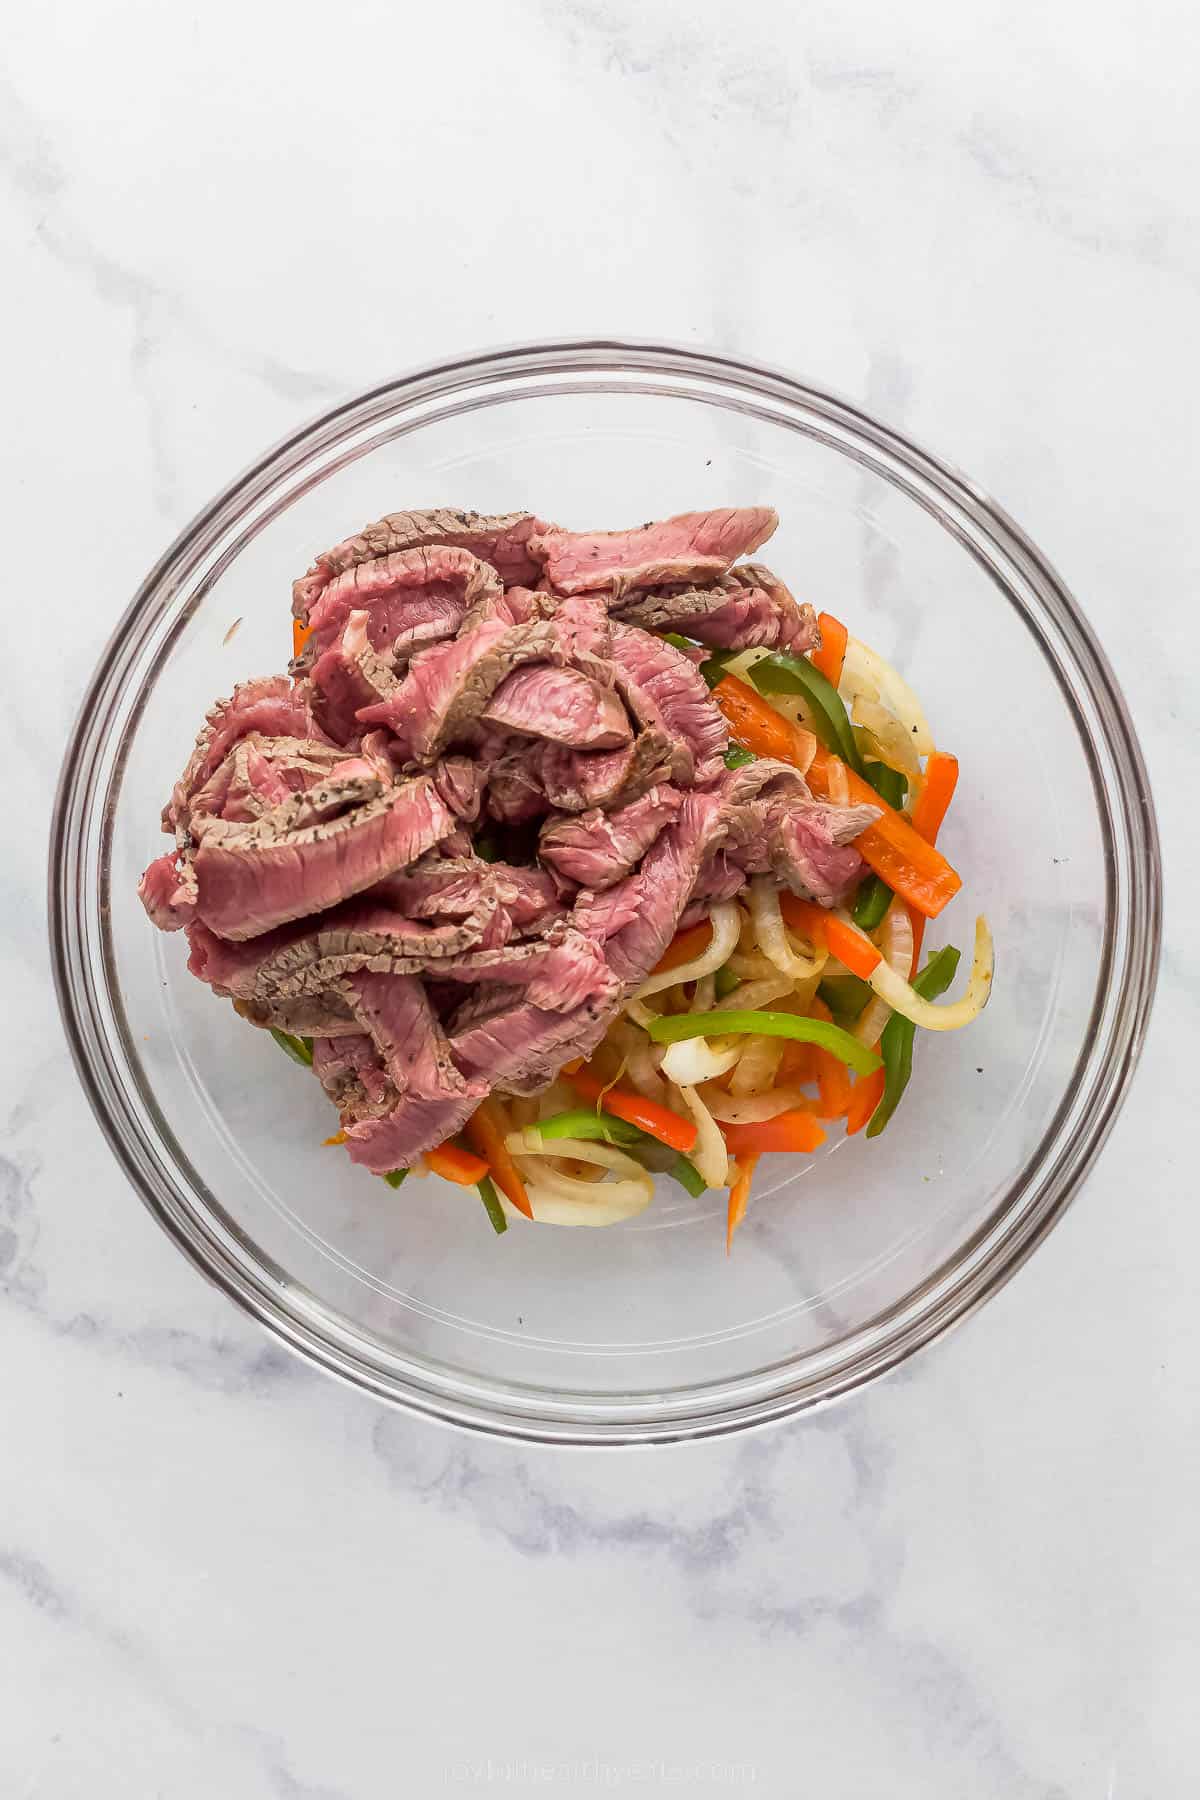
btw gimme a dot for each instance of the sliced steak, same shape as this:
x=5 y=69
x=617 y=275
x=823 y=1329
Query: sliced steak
x=514 y=793
x=562 y=705
x=447 y=688
x=575 y=780
x=348 y=676
x=326 y=1015
x=258 y=774
x=690 y=547
x=660 y=890
x=668 y=694
x=597 y=848
x=460 y=783
x=500 y=540
x=318 y=849
x=412 y=598
x=522 y=1048
x=167 y=890
x=556 y=973
x=433 y=1099
x=269 y=705
x=749 y=609
x=771 y=824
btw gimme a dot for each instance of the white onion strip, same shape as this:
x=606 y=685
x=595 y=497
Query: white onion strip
x=726 y=924
x=752 y=1109
x=559 y=1199
x=693 y=1060
x=757 y=1066
x=930 y=1014
x=896 y=943
x=894 y=745
x=772 y=936
x=710 y=1157
x=865 y=671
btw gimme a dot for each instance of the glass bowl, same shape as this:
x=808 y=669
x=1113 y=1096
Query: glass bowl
x=645 y=1332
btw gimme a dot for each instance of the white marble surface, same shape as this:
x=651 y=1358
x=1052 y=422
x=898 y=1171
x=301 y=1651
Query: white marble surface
x=220 y=1574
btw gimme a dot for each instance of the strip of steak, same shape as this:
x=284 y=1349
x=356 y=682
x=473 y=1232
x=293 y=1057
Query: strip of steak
x=500 y=539
x=347 y=677
x=433 y=1099
x=575 y=780
x=771 y=824
x=563 y=705
x=690 y=547
x=412 y=598
x=668 y=694
x=599 y=848
x=522 y=1048
x=252 y=878
x=269 y=705
x=448 y=687
x=659 y=891
x=748 y=610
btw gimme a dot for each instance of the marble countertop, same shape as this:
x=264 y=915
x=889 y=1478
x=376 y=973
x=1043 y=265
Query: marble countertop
x=222 y=1574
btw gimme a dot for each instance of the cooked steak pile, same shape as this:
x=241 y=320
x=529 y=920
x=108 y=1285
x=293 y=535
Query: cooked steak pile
x=462 y=831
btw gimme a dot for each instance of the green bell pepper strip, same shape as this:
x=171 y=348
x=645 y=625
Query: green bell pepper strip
x=491 y=1204
x=715 y=668
x=898 y=1034
x=684 y=1170
x=845 y=995
x=736 y=757
x=673 y=1026
x=583 y=1122
x=874 y=898
x=724 y=981
x=298 y=1048
x=673 y=637
x=889 y=784
x=396 y=1177
x=781 y=674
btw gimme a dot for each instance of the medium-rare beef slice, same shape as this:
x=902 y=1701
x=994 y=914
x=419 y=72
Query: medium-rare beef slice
x=597 y=848
x=348 y=676
x=167 y=890
x=500 y=540
x=771 y=824
x=433 y=1099
x=269 y=705
x=411 y=599
x=690 y=547
x=575 y=780
x=522 y=1048
x=564 y=706
x=659 y=891
x=447 y=688
x=252 y=878
x=748 y=609
x=668 y=694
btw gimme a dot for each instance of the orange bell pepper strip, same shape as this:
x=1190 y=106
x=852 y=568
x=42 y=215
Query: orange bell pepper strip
x=484 y=1131
x=932 y=804
x=832 y=654
x=821 y=927
x=739 y=1194
x=796 y=1066
x=339 y=1137
x=658 y=1121
x=300 y=636
x=865 y=1096
x=911 y=867
x=755 y=725
x=830 y=1073
x=683 y=947
x=797 y=1131
x=456 y=1165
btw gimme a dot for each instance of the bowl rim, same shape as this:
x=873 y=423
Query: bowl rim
x=926 y=1313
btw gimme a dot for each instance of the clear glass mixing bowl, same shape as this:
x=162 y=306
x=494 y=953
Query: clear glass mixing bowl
x=645 y=1332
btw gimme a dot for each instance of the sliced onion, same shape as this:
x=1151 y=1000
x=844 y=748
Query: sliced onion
x=772 y=935
x=752 y=995
x=896 y=943
x=642 y=1066
x=752 y=1109
x=749 y=962
x=757 y=1066
x=837 y=782
x=726 y=924
x=559 y=1199
x=893 y=745
x=865 y=672
x=641 y=1015
x=704 y=995
x=693 y=1060
x=929 y=1013
x=709 y=1156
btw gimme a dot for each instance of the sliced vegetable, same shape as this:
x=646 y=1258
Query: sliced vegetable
x=715 y=666
x=722 y=928
x=837 y=932
x=832 y=654
x=897 y=1040
x=695 y=1060
x=889 y=784
x=724 y=982
x=845 y=996
x=339 y=1137
x=688 y=1175
x=395 y=1177
x=298 y=1048
x=485 y=1131
x=684 y=947
x=866 y=672
x=910 y=866
x=739 y=1195
x=756 y=726
x=737 y=756
x=886 y=738
x=492 y=1206
x=895 y=940
x=789 y=1131
x=453 y=1163
x=710 y=1155
x=871 y=903
x=655 y=1120
x=560 y=1199
x=300 y=636
x=669 y=1029
x=780 y=674
x=766 y=910
x=905 y=998
x=582 y=1122
x=933 y=802
x=865 y=1096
